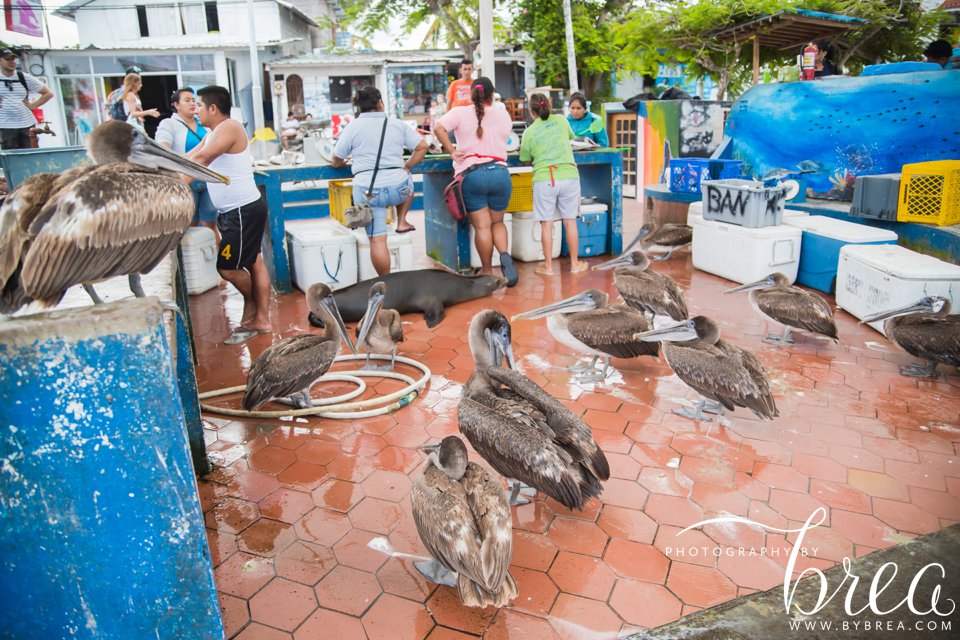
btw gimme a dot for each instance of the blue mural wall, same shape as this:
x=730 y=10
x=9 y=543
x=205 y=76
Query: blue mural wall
x=847 y=126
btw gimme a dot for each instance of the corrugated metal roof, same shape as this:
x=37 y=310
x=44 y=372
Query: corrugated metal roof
x=327 y=58
x=68 y=11
x=172 y=44
x=950 y=4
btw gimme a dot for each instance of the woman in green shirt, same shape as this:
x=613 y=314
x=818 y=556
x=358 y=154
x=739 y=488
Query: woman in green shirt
x=556 y=181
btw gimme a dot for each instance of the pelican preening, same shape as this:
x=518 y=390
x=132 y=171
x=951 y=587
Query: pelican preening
x=648 y=291
x=119 y=217
x=289 y=367
x=523 y=432
x=380 y=330
x=668 y=237
x=791 y=306
x=586 y=324
x=924 y=329
x=464 y=521
x=717 y=370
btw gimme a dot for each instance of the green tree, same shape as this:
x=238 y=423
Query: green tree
x=538 y=25
x=683 y=33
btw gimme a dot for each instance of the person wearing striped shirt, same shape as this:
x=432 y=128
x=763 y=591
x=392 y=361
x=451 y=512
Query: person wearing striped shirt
x=16 y=108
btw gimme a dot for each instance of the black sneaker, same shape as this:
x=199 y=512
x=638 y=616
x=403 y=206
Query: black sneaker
x=509 y=270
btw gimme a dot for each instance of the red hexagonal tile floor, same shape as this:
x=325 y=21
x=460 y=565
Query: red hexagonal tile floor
x=292 y=505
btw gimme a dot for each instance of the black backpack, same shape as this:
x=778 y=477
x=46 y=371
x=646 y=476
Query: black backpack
x=115 y=105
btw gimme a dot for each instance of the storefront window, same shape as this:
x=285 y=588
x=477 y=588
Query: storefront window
x=80 y=108
x=199 y=80
x=343 y=88
x=417 y=90
x=192 y=62
x=72 y=66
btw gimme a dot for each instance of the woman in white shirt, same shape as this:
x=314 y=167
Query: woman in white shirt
x=182 y=132
x=131 y=101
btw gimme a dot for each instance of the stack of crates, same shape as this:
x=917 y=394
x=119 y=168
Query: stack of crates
x=875 y=197
x=521 y=197
x=930 y=193
x=341 y=197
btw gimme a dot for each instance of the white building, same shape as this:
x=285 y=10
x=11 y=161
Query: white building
x=187 y=43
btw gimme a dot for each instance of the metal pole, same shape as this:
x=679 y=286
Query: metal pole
x=756 y=59
x=255 y=71
x=486 y=40
x=571 y=53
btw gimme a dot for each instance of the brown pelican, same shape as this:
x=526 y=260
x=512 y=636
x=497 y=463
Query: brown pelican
x=379 y=331
x=668 y=237
x=587 y=325
x=925 y=330
x=523 y=432
x=464 y=521
x=790 y=306
x=289 y=367
x=717 y=370
x=646 y=290
x=119 y=217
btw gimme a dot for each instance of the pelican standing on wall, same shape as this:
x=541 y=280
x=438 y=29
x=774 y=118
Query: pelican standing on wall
x=728 y=375
x=668 y=238
x=523 y=432
x=791 y=306
x=289 y=367
x=121 y=216
x=464 y=521
x=649 y=291
x=380 y=330
x=924 y=329
x=586 y=324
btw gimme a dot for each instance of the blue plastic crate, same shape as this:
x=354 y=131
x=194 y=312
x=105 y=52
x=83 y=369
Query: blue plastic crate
x=592 y=232
x=686 y=173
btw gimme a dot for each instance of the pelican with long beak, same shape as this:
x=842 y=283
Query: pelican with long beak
x=924 y=329
x=791 y=306
x=523 y=432
x=380 y=330
x=668 y=237
x=649 y=291
x=586 y=324
x=464 y=521
x=121 y=216
x=290 y=367
x=718 y=371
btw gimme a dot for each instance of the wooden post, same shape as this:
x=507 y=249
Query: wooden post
x=756 y=59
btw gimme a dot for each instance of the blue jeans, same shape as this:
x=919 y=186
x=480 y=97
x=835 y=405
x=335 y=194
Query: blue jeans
x=382 y=198
x=488 y=186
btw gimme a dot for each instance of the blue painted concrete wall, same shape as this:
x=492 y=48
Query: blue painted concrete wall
x=101 y=531
x=852 y=126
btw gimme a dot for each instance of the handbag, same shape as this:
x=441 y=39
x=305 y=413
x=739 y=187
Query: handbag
x=361 y=215
x=453 y=194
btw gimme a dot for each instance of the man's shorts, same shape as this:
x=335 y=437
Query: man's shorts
x=562 y=197
x=241 y=231
x=382 y=198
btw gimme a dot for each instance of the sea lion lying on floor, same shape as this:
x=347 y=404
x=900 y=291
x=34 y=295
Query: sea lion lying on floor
x=427 y=291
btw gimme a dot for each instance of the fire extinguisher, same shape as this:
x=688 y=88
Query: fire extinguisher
x=808 y=64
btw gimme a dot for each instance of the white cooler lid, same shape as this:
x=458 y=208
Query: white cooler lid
x=393 y=239
x=520 y=215
x=326 y=231
x=899 y=261
x=776 y=231
x=841 y=229
x=598 y=207
x=195 y=236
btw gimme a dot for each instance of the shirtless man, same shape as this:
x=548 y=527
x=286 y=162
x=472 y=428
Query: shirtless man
x=241 y=210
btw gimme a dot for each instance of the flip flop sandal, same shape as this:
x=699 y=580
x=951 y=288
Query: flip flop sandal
x=583 y=266
x=406 y=230
x=543 y=272
x=240 y=336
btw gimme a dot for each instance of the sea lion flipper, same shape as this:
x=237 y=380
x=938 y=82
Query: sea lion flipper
x=432 y=311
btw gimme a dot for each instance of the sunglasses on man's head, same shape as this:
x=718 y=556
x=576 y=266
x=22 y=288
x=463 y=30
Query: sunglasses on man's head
x=10 y=84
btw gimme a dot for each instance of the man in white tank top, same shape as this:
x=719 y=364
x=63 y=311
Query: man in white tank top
x=241 y=211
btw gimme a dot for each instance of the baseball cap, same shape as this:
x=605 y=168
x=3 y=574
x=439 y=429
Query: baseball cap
x=7 y=53
x=132 y=69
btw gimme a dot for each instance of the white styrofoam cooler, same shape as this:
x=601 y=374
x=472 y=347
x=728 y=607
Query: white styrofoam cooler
x=495 y=260
x=842 y=230
x=880 y=277
x=399 y=245
x=526 y=243
x=745 y=254
x=199 y=246
x=321 y=250
x=696 y=209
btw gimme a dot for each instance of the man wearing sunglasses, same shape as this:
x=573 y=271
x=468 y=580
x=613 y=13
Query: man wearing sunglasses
x=16 y=117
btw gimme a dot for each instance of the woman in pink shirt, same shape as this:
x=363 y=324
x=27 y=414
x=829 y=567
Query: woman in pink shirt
x=481 y=155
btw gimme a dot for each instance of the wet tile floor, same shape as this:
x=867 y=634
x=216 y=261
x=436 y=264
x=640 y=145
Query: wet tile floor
x=292 y=506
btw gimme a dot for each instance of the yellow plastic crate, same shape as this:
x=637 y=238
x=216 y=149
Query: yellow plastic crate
x=521 y=198
x=930 y=193
x=341 y=197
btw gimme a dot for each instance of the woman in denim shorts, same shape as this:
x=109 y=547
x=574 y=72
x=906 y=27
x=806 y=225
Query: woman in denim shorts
x=481 y=154
x=393 y=185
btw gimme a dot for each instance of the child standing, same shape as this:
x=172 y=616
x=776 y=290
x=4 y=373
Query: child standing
x=556 y=181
